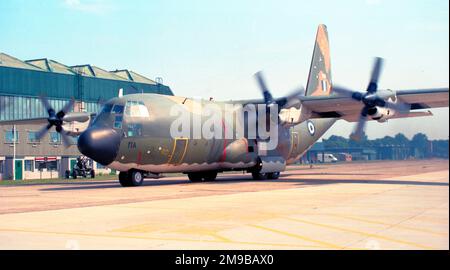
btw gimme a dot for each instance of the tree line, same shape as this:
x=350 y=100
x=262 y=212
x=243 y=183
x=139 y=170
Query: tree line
x=419 y=145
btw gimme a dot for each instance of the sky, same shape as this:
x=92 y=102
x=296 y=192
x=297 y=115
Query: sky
x=213 y=48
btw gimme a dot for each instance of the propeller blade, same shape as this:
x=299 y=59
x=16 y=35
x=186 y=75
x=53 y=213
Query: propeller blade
x=66 y=108
x=67 y=141
x=360 y=126
x=41 y=133
x=46 y=104
x=291 y=99
x=376 y=71
x=262 y=85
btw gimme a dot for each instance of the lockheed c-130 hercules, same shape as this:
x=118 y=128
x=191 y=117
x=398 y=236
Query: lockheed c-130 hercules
x=132 y=133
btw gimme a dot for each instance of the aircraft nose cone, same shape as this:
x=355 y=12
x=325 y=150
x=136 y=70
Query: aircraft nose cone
x=100 y=144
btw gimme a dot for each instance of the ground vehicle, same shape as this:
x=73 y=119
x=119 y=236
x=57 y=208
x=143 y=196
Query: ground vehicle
x=81 y=168
x=326 y=158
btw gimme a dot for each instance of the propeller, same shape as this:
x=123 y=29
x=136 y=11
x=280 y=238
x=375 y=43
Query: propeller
x=370 y=99
x=268 y=98
x=55 y=119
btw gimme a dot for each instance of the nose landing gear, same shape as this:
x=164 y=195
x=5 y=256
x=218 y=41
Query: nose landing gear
x=131 y=178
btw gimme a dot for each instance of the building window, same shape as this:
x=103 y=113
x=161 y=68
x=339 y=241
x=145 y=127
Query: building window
x=51 y=165
x=55 y=137
x=32 y=137
x=10 y=138
x=29 y=165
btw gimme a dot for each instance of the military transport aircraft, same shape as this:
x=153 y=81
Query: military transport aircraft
x=132 y=133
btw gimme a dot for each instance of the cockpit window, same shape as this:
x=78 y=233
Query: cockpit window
x=118 y=109
x=136 y=109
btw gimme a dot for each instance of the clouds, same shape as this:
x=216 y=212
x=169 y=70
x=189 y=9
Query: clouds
x=89 y=6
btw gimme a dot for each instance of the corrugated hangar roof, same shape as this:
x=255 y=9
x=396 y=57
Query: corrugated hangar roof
x=51 y=66
x=132 y=76
x=93 y=71
x=9 y=61
x=48 y=65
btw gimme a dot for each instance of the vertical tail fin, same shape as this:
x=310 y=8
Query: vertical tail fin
x=319 y=80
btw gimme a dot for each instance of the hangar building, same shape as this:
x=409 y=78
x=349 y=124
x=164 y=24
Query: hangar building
x=21 y=84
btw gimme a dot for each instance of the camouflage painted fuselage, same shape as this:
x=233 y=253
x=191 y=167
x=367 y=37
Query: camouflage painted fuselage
x=150 y=147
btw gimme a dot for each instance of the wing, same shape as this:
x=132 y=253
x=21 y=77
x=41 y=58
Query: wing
x=350 y=109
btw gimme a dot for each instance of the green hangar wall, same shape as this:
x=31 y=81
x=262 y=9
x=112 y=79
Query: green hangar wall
x=21 y=83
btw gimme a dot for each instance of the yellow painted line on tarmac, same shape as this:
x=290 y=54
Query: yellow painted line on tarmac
x=322 y=243
x=156 y=238
x=360 y=232
x=387 y=224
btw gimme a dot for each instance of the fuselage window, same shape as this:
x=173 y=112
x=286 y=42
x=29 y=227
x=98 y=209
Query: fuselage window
x=134 y=130
x=118 y=121
x=136 y=109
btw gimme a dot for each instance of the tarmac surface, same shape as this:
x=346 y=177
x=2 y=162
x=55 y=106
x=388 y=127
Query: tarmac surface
x=375 y=205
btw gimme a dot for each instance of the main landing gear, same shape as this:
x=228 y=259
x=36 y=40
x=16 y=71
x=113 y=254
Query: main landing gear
x=131 y=178
x=202 y=176
x=262 y=176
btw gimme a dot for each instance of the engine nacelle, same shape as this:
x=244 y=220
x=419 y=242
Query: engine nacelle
x=380 y=114
x=293 y=116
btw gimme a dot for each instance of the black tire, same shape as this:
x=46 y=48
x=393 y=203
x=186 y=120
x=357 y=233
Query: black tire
x=74 y=174
x=273 y=175
x=131 y=178
x=67 y=174
x=92 y=174
x=259 y=176
x=209 y=176
x=123 y=179
x=195 y=177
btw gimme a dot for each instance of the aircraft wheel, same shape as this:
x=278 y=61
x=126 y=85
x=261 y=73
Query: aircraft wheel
x=259 y=176
x=210 y=176
x=274 y=175
x=131 y=178
x=136 y=178
x=74 y=174
x=92 y=174
x=195 y=177
x=124 y=179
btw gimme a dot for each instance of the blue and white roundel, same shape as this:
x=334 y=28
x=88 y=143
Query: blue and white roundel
x=311 y=127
